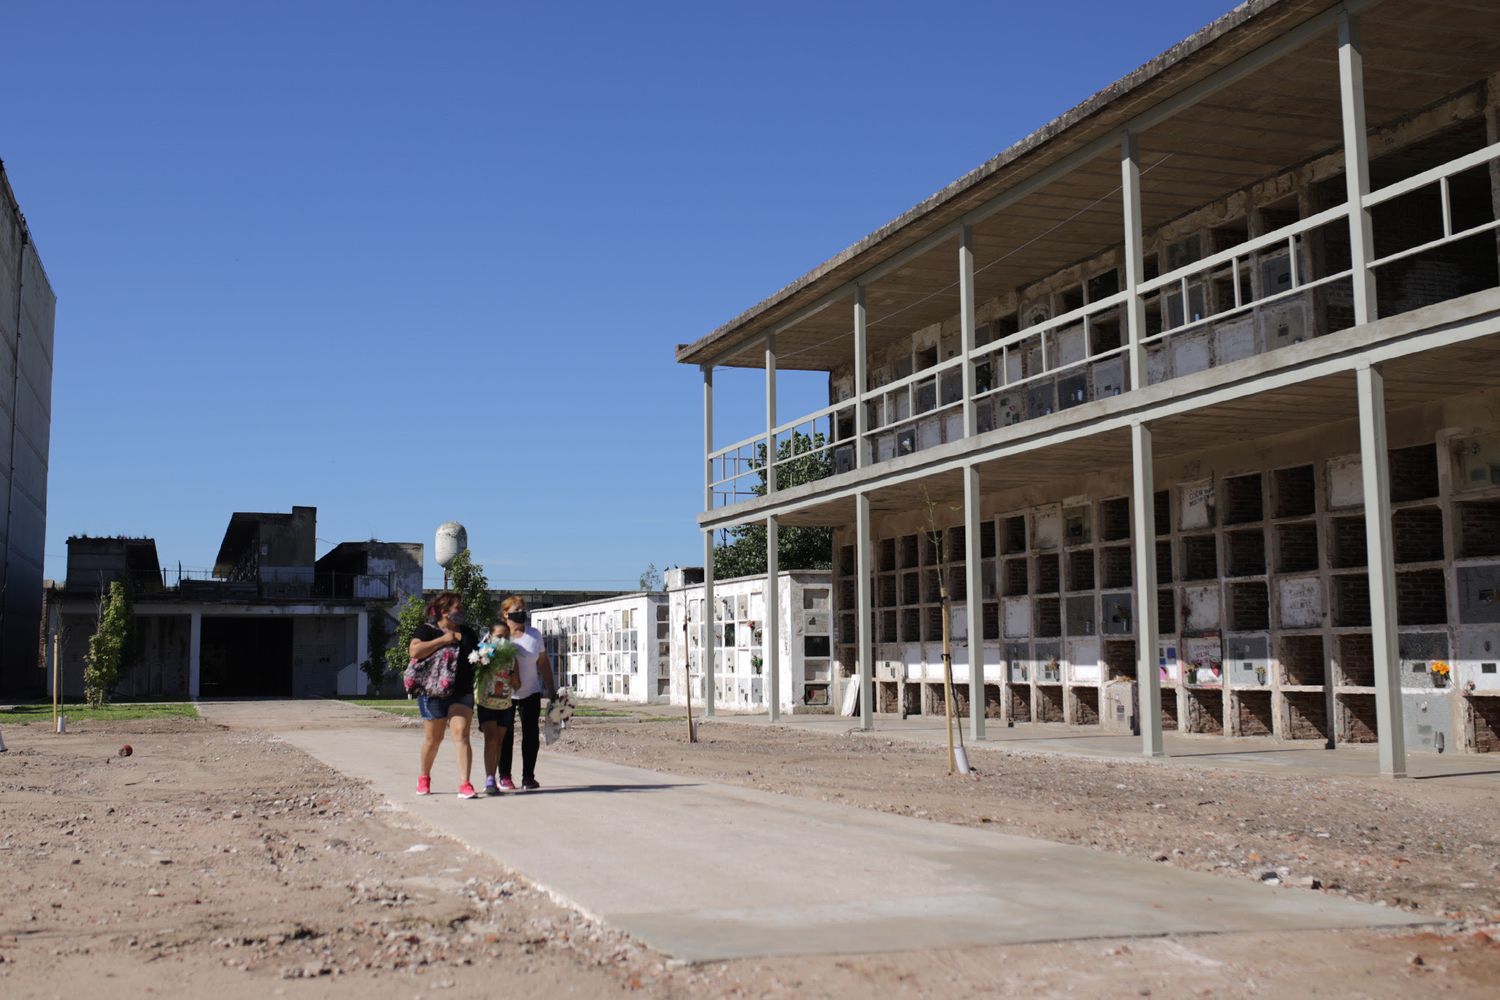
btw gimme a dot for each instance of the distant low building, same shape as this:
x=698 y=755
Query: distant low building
x=270 y=620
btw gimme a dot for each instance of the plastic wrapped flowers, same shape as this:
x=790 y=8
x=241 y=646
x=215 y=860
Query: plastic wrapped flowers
x=494 y=667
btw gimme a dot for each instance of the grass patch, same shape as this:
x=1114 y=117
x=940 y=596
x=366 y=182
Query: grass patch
x=395 y=706
x=25 y=715
x=592 y=712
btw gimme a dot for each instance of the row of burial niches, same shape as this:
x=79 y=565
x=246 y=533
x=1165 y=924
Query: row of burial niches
x=1263 y=602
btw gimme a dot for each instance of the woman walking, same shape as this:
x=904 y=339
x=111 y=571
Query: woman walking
x=453 y=709
x=536 y=676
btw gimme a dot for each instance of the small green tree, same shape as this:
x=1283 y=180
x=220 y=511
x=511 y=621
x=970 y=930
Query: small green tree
x=376 y=665
x=744 y=554
x=650 y=577
x=412 y=614
x=106 y=652
x=468 y=581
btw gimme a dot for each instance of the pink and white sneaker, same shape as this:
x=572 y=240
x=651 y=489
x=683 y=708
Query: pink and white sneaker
x=424 y=784
x=466 y=791
x=506 y=784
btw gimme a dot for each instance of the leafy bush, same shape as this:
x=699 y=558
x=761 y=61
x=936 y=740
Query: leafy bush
x=106 y=652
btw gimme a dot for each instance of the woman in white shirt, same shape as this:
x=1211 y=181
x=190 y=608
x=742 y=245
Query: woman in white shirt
x=536 y=677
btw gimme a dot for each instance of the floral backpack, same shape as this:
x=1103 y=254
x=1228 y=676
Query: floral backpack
x=433 y=676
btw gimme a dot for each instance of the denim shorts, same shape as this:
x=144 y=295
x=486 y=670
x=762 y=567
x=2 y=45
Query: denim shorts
x=433 y=708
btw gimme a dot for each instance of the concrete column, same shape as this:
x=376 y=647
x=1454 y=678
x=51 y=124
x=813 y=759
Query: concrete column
x=708 y=438
x=974 y=606
x=362 y=640
x=707 y=651
x=863 y=567
x=770 y=413
x=861 y=419
x=771 y=648
x=1377 y=482
x=1143 y=549
x=1356 y=166
x=966 y=324
x=195 y=655
x=1135 y=306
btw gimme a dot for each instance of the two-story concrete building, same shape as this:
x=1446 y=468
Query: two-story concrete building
x=1191 y=398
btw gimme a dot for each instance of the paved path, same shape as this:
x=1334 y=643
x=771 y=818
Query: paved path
x=705 y=871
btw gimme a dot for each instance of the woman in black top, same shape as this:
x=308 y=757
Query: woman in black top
x=452 y=711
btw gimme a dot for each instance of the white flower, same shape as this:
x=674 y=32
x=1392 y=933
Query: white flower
x=474 y=656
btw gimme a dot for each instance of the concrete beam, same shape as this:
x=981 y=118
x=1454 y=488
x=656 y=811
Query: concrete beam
x=709 y=657
x=1377 y=483
x=974 y=606
x=864 y=567
x=1143 y=550
x=771 y=648
x=195 y=655
x=1356 y=166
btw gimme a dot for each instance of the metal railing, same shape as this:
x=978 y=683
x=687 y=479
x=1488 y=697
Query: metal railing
x=1083 y=355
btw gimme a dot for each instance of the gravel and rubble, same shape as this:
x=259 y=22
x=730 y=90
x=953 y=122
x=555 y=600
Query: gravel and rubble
x=223 y=862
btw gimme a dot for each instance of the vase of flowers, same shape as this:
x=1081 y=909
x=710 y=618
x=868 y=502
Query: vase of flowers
x=1439 y=672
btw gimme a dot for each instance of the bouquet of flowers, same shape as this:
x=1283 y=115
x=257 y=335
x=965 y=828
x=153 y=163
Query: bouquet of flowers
x=495 y=667
x=559 y=711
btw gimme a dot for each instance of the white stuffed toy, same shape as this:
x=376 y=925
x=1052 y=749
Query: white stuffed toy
x=559 y=711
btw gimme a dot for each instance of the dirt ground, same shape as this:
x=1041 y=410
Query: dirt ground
x=223 y=862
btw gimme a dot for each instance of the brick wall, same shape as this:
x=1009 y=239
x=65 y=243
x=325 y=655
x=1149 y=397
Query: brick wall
x=1302 y=660
x=1085 y=706
x=1479 y=528
x=1253 y=713
x=1418 y=534
x=1299 y=547
x=1421 y=598
x=1204 y=712
x=1356 y=656
x=1050 y=704
x=1020 y=702
x=1358 y=724
x=1307 y=715
x=1486 y=712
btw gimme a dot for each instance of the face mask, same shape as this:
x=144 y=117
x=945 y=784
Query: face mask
x=519 y=617
x=456 y=617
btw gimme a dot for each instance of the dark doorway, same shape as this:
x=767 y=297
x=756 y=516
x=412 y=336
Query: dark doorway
x=246 y=657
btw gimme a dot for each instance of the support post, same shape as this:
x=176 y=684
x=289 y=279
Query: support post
x=708 y=445
x=966 y=324
x=974 y=604
x=1370 y=383
x=361 y=644
x=1135 y=262
x=195 y=655
x=770 y=413
x=771 y=648
x=710 y=632
x=864 y=564
x=1356 y=167
x=1143 y=548
x=861 y=415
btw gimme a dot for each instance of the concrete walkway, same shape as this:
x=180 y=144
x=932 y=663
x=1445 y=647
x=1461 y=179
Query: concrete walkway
x=703 y=871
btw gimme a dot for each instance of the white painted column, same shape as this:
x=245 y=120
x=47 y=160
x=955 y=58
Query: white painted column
x=770 y=413
x=966 y=324
x=1135 y=306
x=1377 y=482
x=771 y=648
x=708 y=437
x=195 y=655
x=362 y=643
x=1143 y=548
x=861 y=417
x=1356 y=166
x=863 y=565
x=974 y=605
x=707 y=651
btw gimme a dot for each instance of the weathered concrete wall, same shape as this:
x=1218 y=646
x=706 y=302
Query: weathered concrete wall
x=612 y=649
x=27 y=309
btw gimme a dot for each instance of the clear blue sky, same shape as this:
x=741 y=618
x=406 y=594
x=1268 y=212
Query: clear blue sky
x=317 y=253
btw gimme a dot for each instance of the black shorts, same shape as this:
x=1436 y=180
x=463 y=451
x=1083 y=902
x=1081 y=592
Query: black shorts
x=506 y=717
